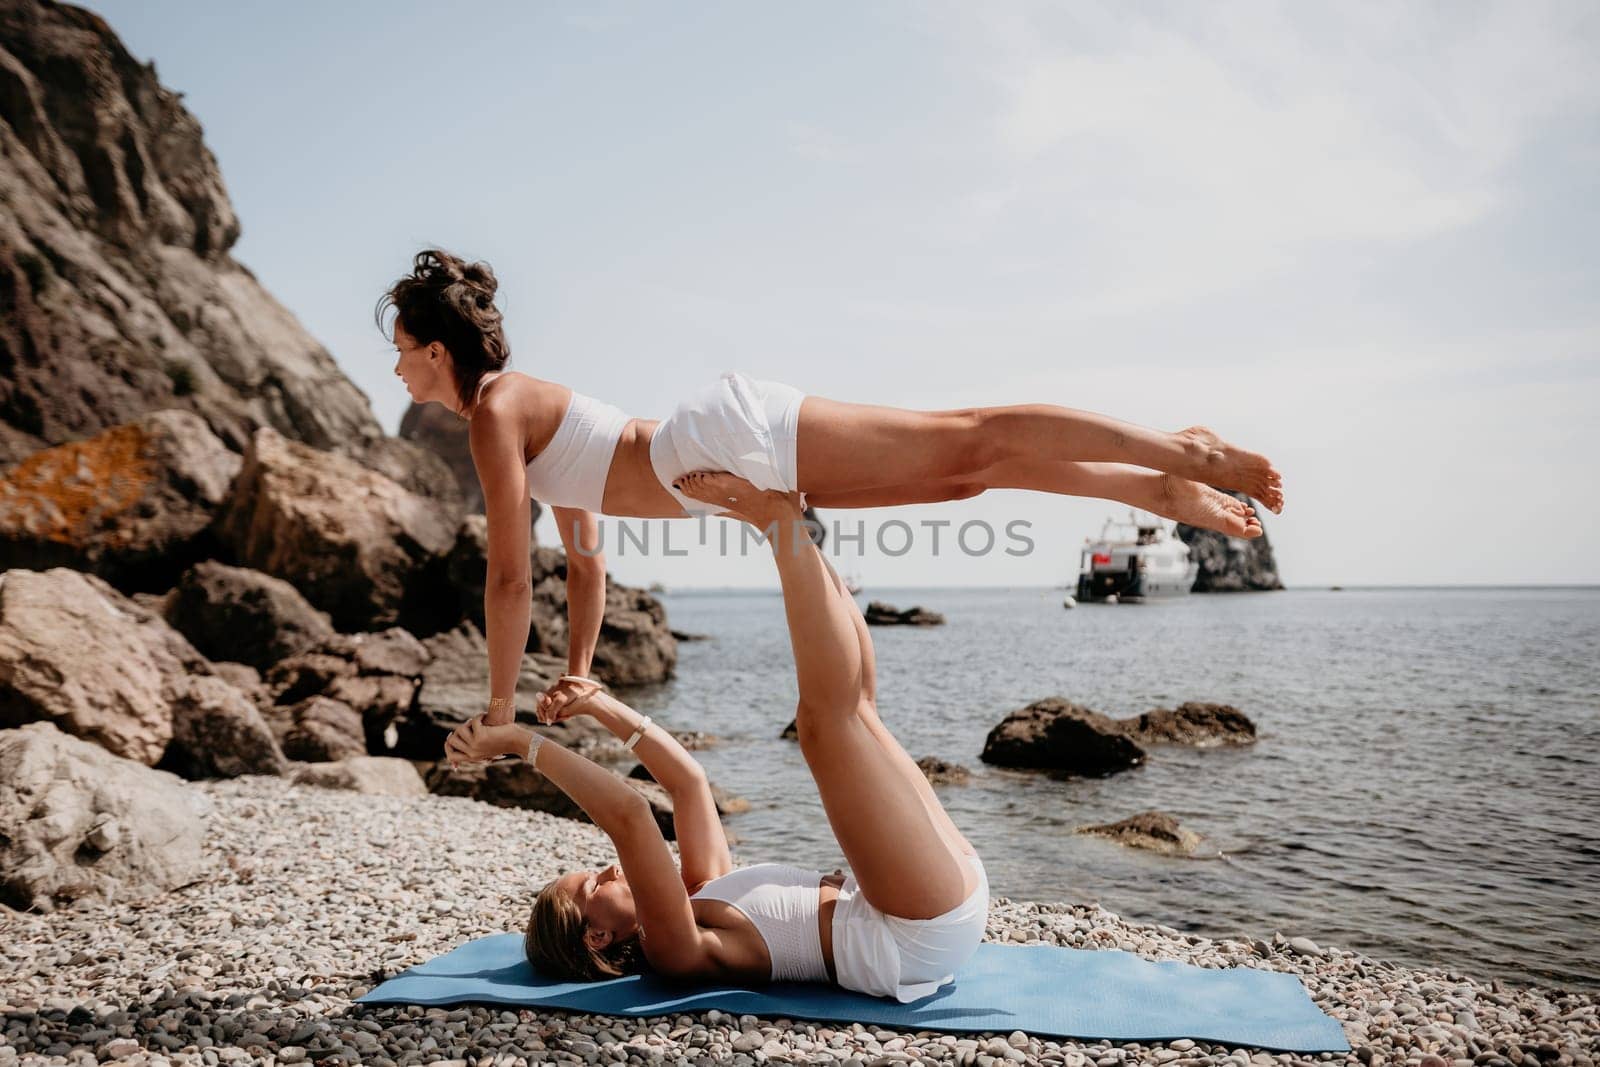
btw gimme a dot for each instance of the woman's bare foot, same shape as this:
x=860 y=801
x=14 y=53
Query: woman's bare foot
x=1200 y=505
x=1221 y=464
x=740 y=499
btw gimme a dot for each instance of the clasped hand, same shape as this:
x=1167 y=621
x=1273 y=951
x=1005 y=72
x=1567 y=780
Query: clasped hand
x=475 y=741
x=562 y=699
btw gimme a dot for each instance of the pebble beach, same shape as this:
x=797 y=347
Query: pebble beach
x=313 y=896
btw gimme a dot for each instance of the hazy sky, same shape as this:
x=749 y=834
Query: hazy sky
x=1359 y=238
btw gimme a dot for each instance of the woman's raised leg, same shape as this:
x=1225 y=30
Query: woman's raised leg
x=1166 y=495
x=846 y=447
x=896 y=848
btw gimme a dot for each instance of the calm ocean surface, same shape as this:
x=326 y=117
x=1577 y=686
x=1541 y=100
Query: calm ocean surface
x=1426 y=786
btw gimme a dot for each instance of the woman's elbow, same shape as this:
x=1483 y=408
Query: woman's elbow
x=632 y=816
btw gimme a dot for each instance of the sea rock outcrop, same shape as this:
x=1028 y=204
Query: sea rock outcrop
x=133 y=504
x=1192 y=723
x=942 y=772
x=1153 y=831
x=880 y=614
x=77 y=821
x=120 y=295
x=1058 y=735
x=1231 y=564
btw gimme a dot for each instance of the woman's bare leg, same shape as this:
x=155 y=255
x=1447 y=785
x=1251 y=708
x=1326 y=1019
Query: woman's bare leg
x=895 y=848
x=1164 y=494
x=846 y=447
x=868 y=710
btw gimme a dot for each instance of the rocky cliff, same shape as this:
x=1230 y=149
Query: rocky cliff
x=117 y=293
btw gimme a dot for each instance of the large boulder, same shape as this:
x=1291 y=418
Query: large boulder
x=244 y=616
x=75 y=652
x=357 y=545
x=322 y=730
x=77 y=821
x=635 y=644
x=133 y=504
x=1231 y=564
x=1058 y=735
x=1192 y=723
x=417 y=470
x=120 y=296
x=219 y=732
x=1153 y=831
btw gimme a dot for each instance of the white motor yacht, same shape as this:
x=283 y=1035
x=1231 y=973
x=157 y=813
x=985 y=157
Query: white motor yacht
x=1139 y=558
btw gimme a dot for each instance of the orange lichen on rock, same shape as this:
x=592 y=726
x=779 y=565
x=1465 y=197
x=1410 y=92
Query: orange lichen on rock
x=66 y=493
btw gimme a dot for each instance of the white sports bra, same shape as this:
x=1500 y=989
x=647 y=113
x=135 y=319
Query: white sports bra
x=782 y=902
x=570 y=472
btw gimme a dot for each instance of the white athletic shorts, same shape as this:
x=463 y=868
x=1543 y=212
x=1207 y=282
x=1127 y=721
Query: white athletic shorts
x=738 y=425
x=907 y=959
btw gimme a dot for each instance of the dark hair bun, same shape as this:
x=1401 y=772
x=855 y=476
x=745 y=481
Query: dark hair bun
x=447 y=299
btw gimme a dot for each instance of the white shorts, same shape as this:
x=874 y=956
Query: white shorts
x=907 y=959
x=738 y=425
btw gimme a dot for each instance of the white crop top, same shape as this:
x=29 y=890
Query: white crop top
x=782 y=902
x=571 y=470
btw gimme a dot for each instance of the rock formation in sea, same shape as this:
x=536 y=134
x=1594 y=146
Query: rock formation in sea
x=1153 y=831
x=1231 y=564
x=880 y=614
x=1057 y=735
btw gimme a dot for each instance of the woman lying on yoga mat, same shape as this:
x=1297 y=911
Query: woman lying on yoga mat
x=536 y=438
x=911 y=911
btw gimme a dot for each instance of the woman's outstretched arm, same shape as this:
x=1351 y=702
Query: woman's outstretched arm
x=702 y=843
x=496 y=443
x=673 y=942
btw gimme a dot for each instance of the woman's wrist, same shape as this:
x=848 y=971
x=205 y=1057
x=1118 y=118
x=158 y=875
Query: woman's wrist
x=518 y=740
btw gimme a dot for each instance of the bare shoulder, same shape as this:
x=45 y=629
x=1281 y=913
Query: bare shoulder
x=517 y=396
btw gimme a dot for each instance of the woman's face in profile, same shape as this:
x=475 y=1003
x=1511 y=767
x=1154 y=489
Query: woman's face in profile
x=605 y=900
x=419 y=373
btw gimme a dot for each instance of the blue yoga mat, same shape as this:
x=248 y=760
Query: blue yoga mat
x=1040 y=989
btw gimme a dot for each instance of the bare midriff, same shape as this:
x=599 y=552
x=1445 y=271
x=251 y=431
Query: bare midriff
x=632 y=488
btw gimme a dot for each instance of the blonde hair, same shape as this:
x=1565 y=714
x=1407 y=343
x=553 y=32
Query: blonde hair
x=555 y=946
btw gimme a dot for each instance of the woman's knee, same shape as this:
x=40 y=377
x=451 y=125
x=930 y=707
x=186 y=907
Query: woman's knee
x=816 y=721
x=978 y=439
